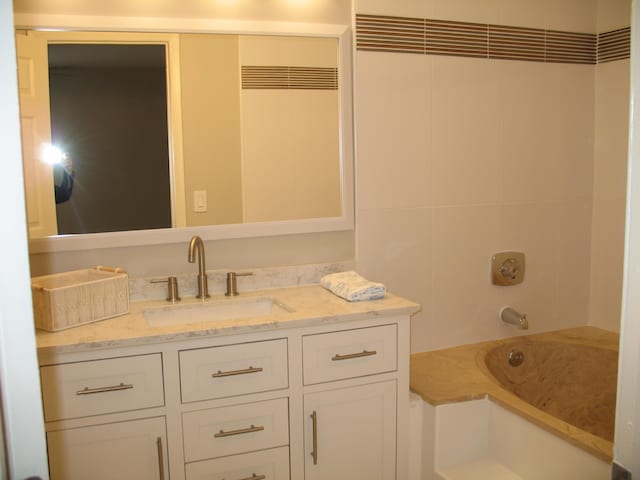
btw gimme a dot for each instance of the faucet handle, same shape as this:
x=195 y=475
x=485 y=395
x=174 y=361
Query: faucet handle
x=232 y=285
x=172 y=288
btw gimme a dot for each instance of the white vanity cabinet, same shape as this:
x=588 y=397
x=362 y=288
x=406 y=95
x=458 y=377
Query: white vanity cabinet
x=90 y=430
x=324 y=400
x=350 y=432
x=120 y=450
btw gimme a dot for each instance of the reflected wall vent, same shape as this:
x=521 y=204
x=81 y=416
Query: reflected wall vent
x=289 y=78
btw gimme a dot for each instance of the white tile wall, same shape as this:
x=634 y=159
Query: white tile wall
x=609 y=188
x=458 y=158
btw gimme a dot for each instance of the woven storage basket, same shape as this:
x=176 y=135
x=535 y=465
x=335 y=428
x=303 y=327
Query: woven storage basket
x=70 y=299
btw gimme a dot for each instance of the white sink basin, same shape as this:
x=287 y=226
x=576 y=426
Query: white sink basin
x=213 y=310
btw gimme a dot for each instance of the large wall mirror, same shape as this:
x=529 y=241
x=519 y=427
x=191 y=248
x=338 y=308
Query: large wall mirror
x=163 y=135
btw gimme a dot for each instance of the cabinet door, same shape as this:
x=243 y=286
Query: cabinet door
x=134 y=450
x=350 y=433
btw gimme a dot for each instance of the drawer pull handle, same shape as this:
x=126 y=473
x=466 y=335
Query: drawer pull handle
x=160 y=457
x=364 y=353
x=314 y=424
x=242 y=371
x=251 y=429
x=113 y=388
x=255 y=477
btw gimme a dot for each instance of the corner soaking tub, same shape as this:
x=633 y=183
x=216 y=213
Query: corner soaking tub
x=570 y=381
x=565 y=382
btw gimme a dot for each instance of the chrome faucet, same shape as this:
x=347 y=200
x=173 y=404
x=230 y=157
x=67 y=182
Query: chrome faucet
x=196 y=244
x=509 y=315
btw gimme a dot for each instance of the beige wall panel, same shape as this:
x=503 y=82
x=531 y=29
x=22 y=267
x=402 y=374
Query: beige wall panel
x=298 y=177
x=211 y=126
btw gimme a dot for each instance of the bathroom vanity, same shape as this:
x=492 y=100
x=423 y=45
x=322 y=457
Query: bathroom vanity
x=314 y=388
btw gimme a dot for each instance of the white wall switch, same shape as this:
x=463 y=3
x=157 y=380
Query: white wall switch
x=199 y=200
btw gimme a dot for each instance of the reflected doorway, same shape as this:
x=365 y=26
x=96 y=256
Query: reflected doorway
x=108 y=110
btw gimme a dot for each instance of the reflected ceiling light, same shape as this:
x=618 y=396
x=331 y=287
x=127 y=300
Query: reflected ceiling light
x=52 y=154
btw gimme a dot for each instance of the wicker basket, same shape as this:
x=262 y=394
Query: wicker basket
x=70 y=299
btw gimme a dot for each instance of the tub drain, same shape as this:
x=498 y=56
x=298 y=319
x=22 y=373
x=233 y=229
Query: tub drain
x=516 y=357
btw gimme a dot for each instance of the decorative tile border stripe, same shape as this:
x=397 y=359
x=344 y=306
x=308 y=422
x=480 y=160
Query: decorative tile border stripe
x=289 y=78
x=615 y=45
x=380 y=33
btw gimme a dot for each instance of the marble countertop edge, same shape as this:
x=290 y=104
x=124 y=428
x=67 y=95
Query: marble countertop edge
x=311 y=305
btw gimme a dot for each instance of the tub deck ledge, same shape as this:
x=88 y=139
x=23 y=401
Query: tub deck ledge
x=459 y=374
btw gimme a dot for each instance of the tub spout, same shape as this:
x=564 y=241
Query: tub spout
x=509 y=315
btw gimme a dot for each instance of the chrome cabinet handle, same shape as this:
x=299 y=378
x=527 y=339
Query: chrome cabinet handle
x=255 y=477
x=241 y=431
x=242 y=371
x=113 y=388
x=364 y=353
x=160 y=457
x=314 y=422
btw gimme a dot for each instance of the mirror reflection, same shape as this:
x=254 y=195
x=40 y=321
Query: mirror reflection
x=180 y=130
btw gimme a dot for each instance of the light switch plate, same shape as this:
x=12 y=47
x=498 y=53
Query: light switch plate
x=199 y=201
x=507 y=268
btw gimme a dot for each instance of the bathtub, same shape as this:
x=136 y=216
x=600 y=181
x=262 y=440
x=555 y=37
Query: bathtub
x=562 y=393
x=573 y=382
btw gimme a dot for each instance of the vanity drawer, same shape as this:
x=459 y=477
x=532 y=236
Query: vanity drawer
x=349 y=353
x=219 y=432
x=229 y=370
x=95 y=387
x=272 y=464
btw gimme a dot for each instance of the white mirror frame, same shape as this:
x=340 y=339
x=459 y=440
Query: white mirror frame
x=342 y=33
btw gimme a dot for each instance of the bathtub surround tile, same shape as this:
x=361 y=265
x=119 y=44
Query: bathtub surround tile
x=568 y=143
x=613 y=15
x=529 y=228
x=465 y=304
x=393 y=153
x=571 y=15
x=607 y=263
x=485 y=11
x=571 y=302
x=609 y=193
x=511 y=140
x=400 y=257
x=404 y=8
x=614 y=45
x=465 y=132
x=526 y=167
x=446 y=36
x=525 y=13
x=612 y=125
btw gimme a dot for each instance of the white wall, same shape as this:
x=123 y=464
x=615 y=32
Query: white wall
x=22 y=419
x=626 y=450
x=459 y=158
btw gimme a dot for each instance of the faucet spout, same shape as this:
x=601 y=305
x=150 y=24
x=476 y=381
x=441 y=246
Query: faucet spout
x=509 y=315
x=196 y=245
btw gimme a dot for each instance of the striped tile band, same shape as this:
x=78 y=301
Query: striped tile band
x=615 y=45
x=289 y=78
x=441 y=37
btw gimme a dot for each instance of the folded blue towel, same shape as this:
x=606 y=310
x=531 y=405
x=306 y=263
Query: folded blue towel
x=351 y=286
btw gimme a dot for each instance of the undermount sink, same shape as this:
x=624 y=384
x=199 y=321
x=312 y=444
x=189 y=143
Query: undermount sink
x=213 y=310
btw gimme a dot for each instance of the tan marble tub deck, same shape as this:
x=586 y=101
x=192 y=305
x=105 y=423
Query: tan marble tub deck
x=459 y=374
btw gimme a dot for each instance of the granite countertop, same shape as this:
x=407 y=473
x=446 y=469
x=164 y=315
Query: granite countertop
x=308 y=305
x=459 y=374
